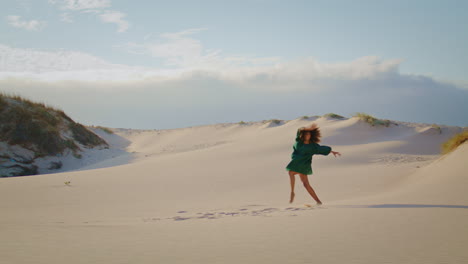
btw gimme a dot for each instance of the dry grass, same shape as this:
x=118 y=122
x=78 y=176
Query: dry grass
x=275 y=121
x=372 y=120
x=106 y=129
x=454 y=142
x=333 y=115
x=84 y=136
x=37 y=126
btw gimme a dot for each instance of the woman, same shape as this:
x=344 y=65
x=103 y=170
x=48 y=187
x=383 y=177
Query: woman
x=307 y=139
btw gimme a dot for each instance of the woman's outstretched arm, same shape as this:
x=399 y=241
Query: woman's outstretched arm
x=325 y=150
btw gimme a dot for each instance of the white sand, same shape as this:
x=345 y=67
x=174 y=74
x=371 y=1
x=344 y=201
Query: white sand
x=219 y=194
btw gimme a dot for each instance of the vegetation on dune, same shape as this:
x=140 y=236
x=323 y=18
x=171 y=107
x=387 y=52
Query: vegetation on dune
x=105 y=129
x=333 y=115
x=2 y=102
x=84 y=136
x=454 y=142
x=307 y=117
x=438 y=128
x=372 y=120
x=30 y=125
x=276 y=121
x=45 y=130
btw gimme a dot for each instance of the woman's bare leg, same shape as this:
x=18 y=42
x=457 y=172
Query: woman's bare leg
x=311 y=191
x=292 y=179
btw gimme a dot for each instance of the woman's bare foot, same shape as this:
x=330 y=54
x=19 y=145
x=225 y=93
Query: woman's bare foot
x=292 y=197
x=319 y=203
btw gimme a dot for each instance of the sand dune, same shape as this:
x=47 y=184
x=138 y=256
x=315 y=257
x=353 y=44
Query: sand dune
x=219 y=194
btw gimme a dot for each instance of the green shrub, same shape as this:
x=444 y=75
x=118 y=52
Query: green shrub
x=454 y=142
x=242 y=123
x=34 y=106
x=372 y=120
x=276 y=121
x=333 y=115
x=37 y=127
x=2 y=103
x=62 y=114
x=46 y=115
x=84 y=136
x=18 y=126
x=71 y=144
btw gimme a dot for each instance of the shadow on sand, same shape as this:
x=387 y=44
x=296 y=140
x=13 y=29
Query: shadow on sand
x=403 y=206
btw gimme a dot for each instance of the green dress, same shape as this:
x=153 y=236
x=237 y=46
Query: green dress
x=302 y=155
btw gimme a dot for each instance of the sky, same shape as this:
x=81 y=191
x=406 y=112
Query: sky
x=171 y=64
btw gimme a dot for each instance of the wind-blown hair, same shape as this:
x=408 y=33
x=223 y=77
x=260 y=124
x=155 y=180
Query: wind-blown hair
x=314 y=135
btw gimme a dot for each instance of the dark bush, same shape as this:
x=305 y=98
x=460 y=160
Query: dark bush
x=84 y=136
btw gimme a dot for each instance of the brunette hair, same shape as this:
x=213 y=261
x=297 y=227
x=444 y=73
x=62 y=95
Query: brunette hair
x=314 y=135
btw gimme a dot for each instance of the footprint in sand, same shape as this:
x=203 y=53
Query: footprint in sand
x=179 y=218
x=217 y=213
x=151 y=219
x=208 y=216
x=294 y=209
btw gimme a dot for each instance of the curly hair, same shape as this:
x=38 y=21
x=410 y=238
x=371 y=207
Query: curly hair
x=314 y=135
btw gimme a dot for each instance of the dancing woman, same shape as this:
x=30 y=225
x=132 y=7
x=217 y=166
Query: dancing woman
x=306 y=145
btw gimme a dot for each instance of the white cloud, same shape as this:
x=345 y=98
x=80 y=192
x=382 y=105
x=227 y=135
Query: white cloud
x=297 y=87
x=81 y=4
x=67 y=65
x=255 y=73
x=96 y=7
x=268 y=71
x=193 y=98
x=263 y=72
x=180 y=50
x=17 y=22
x=66 y=17
x=40 y=61
x=115 y=17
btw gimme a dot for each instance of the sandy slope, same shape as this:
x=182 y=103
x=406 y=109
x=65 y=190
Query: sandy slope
x=219 y=194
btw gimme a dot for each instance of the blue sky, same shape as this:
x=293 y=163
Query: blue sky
x=255 y=50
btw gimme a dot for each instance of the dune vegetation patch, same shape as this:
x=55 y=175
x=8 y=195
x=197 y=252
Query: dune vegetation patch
x=84 y=136
x=437 y=127
x=334 y=116
x=30 y=125
x=105 y=129
x=41 y=129
x=373 y=121
x=455 y=141
x=274 y=121
x=308 y=117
